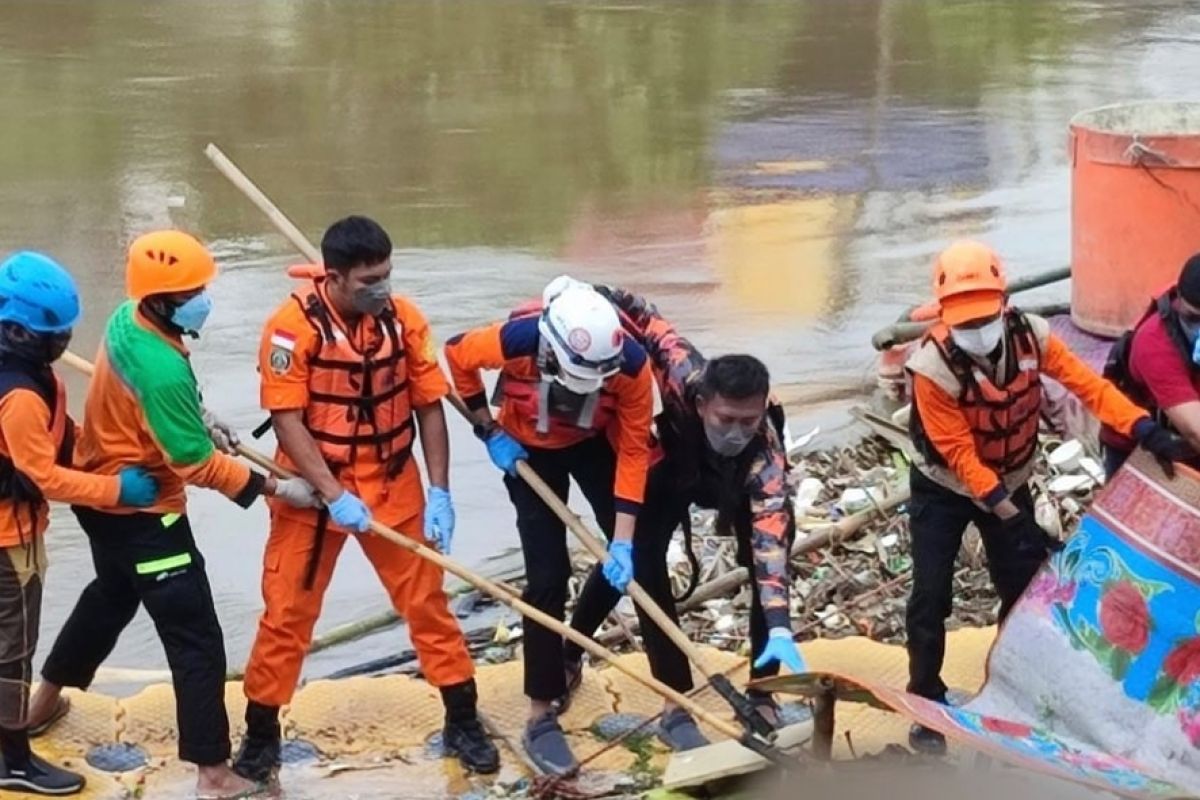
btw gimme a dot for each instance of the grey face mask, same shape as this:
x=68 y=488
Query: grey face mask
x=373 y=299
x=729 y=440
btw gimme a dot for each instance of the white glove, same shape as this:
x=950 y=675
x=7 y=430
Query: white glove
x=297 y=493
x=223 y=436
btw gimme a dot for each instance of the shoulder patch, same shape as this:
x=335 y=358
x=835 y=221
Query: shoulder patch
x=283 y=340
x=280 y=359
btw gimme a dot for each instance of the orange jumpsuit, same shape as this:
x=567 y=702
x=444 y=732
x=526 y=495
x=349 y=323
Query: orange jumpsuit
x=290 y=343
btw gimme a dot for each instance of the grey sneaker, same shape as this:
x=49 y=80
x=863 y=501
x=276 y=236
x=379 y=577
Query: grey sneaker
x=547 y=745
x=926 y=741
x=679 y=731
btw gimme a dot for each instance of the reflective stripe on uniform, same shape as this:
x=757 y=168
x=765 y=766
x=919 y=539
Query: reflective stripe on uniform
x=163 y=564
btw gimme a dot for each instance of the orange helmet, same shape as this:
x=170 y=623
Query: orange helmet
x=167 y=261
x=969 y=282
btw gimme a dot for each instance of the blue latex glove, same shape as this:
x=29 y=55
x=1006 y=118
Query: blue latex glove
x=782 y=648
x=439 y=518
x=505 y=451
x=138 y=487
x=618 y=569
x=350 y=512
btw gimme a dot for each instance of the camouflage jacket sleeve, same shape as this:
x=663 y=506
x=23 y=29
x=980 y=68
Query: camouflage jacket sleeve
x=771 y=530
x=675 y=360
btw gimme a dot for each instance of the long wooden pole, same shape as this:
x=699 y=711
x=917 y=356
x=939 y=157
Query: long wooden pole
x=510 y=599
x=593 y=543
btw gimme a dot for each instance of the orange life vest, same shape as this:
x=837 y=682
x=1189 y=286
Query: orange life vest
x=1004 y=419
x=15 y=486
x=523 y=389
x=357 y=400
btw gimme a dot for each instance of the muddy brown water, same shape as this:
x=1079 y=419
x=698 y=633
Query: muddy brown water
x=776 y=175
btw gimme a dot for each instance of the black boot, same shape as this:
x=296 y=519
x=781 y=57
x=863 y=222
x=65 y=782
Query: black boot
x=258 y=757
x=24 y=771
x=464 y=735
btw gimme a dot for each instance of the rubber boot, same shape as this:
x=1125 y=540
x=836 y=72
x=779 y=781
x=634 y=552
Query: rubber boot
x=24 y=771
x=259 y=756
x=464 y=735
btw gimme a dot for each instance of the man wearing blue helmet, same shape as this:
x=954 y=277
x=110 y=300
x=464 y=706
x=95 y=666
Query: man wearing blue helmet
x=38 y=307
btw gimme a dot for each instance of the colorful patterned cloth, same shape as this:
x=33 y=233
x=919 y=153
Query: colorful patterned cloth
x=1095 y=676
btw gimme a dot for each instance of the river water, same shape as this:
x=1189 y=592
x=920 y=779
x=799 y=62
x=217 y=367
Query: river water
x=775 y=175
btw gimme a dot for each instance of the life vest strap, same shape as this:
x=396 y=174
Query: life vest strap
x=377 y=438
x=358 y=400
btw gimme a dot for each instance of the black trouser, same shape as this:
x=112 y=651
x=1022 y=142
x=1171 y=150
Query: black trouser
x=938 y=519
x=663 y=509
x=544 y=543
x=151 y=559
x=1114 y=459
x=656 y=523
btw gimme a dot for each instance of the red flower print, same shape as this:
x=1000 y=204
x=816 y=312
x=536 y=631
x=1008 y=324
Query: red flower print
x=1183 y=664
x=1124 y=618
x=1006 y=728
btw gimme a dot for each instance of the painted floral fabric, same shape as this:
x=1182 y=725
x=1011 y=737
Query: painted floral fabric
x=1095 y=676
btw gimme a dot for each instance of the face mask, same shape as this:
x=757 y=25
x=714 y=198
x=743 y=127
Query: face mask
x=38 y=348
x=979 y=341
x=191 y=315
x=1196 y=349
x=728 y=440
x=372 y=300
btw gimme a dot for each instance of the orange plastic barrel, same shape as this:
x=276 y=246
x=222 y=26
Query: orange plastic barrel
x=1135 y=208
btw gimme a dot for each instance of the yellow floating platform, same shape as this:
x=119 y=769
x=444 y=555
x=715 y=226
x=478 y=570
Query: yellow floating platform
x=373 y=731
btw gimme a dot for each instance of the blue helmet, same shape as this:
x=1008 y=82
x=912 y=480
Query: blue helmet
x=37 y=293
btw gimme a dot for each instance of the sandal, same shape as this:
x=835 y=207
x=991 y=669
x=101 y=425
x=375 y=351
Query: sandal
x=61 y=708
x=258 y=791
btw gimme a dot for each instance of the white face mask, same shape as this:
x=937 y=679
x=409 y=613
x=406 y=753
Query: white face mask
x=979 y=341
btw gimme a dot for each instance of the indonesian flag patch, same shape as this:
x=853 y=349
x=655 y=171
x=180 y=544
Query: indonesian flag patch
x=283 y=339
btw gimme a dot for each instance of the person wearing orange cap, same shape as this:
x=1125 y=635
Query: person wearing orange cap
x=144 y=407
x=351 y=378
x=977 y=398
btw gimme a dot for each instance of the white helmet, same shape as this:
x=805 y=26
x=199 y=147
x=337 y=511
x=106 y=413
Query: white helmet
x=584 y=332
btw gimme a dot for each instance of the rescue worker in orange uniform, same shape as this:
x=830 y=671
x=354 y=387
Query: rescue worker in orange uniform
x=977 y=399
x=350 y=376
x=39 y=306
x=572 y=387
x=144 y=407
